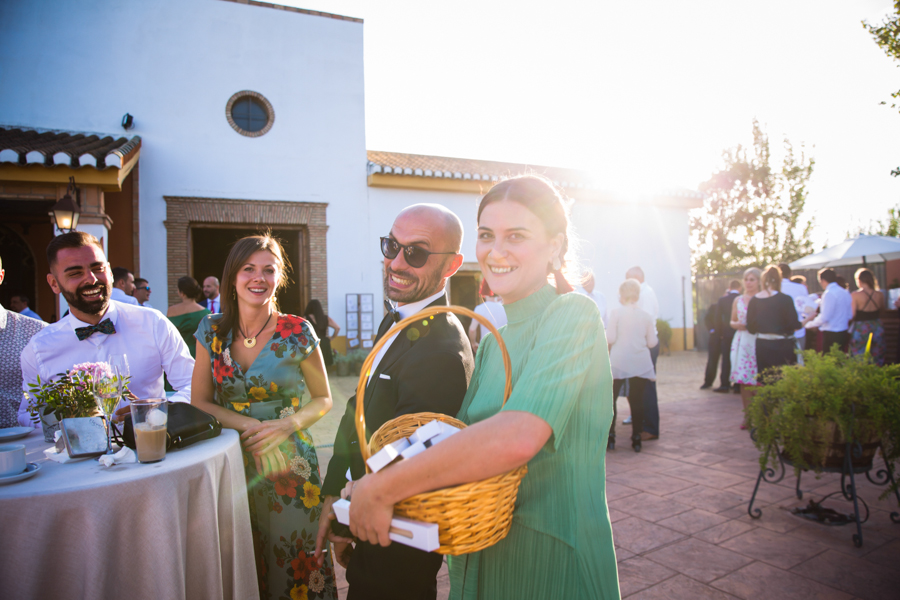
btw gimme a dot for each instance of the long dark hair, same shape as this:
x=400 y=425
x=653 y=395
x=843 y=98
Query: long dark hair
x=540 y=196
x=188 y=286
x=867 y=277
x=242 y=250
x=314 y=308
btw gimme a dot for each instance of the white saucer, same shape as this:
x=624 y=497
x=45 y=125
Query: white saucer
x=14 y=433
x=30 y=470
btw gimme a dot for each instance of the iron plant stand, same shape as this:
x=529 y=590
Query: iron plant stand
x=848 y=490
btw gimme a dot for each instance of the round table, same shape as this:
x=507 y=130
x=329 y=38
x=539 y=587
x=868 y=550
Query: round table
x=179 y=528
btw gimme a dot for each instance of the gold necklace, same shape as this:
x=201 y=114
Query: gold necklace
x=249 y=342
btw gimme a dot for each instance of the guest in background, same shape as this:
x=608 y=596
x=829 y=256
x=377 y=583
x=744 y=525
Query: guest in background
x=321 y=322
x=123 y=286
x=726 y=334
x=16 y=331
x=714 y=350
x=743 y=347
x=587 y=289
x=19 y=304
x=187 y=314
x=801 y=280
x=843 y=283
x=254 y=365
x=771 y=316
x=835 y=312
x=650 y=305
x=630 y=335
x=491 y=309
x=142 y=292
x=798 y=293
x=96 y=328
x=867 y=305
x=211 y=298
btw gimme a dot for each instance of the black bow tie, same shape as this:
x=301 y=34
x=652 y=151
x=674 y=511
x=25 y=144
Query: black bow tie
x=395 y=315
x=105 y=326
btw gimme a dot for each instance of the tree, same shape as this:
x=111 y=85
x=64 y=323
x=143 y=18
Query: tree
x=889 y=227
x=753 y=216
x=887 y=36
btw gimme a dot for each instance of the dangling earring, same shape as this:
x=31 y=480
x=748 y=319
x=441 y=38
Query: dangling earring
x=556 y=264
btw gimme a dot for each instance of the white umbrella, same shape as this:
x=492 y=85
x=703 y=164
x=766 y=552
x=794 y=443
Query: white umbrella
x=859 y=250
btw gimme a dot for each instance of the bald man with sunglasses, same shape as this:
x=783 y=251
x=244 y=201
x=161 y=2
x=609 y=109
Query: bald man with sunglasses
x=424 y=368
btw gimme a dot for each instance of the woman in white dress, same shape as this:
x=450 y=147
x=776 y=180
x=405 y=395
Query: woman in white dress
x=743 y=346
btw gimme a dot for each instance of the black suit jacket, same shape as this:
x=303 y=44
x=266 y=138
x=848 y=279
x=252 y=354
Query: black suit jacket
x=426 y=369
x=723 y=310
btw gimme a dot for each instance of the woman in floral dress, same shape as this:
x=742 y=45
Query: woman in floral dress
x=743 y=346
x=253 y=366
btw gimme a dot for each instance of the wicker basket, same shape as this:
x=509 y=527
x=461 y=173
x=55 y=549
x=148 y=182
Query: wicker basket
x=471 y=516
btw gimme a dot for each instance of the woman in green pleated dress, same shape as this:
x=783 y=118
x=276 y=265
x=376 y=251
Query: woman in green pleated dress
x=556 y=420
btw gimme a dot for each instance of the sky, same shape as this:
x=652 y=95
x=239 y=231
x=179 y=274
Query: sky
x=643 y=94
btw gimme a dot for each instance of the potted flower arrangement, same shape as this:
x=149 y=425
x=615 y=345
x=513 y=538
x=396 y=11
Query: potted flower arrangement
x=811 y=411
x=66 y=395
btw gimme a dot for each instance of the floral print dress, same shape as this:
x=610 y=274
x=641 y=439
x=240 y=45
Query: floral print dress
x=284 y=509
x=743 y=350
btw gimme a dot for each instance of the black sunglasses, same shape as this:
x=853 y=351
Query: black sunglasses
x=415 y=257
x=143 y=288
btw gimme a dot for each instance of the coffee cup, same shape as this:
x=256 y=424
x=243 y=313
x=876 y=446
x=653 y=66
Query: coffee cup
x=12 y=459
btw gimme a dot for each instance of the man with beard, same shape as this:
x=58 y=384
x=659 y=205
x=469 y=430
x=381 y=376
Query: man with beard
x=96 y=329
x=424 y=368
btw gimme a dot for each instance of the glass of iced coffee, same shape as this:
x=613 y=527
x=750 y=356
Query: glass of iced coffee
x=149 y=417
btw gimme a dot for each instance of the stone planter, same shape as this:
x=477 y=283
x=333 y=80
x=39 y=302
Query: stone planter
x=343 y=369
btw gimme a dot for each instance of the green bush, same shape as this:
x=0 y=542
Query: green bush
x=796 y=404
x=665 y=332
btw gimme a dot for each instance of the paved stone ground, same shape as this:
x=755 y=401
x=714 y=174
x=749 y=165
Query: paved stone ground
x=679 y=510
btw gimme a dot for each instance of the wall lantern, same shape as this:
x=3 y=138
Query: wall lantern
x=127 y=122
x=65 y=213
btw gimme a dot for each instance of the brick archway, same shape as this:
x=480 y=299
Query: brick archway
x=183 y=213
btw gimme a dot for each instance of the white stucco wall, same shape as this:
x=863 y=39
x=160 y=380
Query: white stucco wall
x=613 y=237
x=173 y=64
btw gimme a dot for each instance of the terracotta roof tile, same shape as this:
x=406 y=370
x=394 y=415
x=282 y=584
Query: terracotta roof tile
x=49 y=148
x=463 y=168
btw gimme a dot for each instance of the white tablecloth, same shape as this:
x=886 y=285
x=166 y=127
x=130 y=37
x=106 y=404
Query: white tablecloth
x=175 y=529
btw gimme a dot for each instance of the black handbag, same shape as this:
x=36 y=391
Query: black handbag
x=187 y=425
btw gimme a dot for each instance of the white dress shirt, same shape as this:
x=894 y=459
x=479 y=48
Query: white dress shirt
x=631 y=334
x=649 y=303
x=121 y=296
x=493 y=312
x=152 y=344
x=798 y=293
x=407 y=310
x=836 y=310
x=598 y=298
x=214 y=305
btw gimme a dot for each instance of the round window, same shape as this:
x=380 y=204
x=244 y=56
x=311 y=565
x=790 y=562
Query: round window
x=249 y=113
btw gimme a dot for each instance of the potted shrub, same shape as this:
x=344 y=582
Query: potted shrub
x=810 y=411
x=342 y=364
x=357 y=357
x=664 y=330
